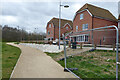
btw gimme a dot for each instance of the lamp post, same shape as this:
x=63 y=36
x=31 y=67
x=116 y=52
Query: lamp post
x=65 y=6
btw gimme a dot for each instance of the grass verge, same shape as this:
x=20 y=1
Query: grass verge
x=96 y=64
x=10 y=55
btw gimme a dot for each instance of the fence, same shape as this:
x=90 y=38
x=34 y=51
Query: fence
x=84 y=62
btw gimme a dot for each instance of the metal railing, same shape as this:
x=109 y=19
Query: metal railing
x=117 y=46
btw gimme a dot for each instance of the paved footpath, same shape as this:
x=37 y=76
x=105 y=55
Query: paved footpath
x=34 y=63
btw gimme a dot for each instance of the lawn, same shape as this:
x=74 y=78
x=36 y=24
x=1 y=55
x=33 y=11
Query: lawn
x=96 y=64
x=10 y=55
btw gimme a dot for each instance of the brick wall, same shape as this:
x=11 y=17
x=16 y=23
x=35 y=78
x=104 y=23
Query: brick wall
x=104 y=37
x=55 y=31
x=100 y=37
x=79 y=23
x=51 y=30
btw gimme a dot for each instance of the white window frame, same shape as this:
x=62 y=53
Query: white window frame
x=82 y=38
x=85 y=26
x=67 y=28
x=49 y=25
x=81 y=16
x=76 y=28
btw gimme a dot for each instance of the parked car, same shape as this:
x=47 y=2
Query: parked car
x=55 y=41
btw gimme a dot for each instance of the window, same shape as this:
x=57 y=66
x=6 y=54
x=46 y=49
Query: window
x=85 y=26
x=82 y=38
x=86 y=38
x=76 y=28
x=48 y=33
x=81 y=16
x=66 y=28
x=49 y=25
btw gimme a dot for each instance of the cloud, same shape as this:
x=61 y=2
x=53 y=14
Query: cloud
x=119 y=7
x=9 y=19
x=31 y=15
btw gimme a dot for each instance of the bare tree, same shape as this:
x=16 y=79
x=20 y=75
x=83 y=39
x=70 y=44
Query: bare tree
x=17 y=34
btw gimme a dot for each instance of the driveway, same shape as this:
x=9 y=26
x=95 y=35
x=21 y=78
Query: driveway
x=33 y=63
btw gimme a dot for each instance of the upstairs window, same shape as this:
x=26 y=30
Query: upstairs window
x=49 y=25
x=66 y=28
x=84 y=26
x=81 y=16
x=76 y=28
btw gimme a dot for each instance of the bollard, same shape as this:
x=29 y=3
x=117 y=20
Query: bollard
x=50 y=42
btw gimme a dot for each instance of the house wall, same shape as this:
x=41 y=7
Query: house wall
x=104 y=37
x=51 y=30
x=97 y=22
x=55 y=31
x=100 y=37
x=86 y=20
x=63 y=30
x=79 y=23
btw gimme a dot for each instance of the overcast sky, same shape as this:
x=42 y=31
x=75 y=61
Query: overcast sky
x=31 y=15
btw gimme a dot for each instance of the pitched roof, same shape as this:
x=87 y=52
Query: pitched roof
x=98 y=12
x=55 y=21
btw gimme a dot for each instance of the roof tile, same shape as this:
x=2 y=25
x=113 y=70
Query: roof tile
x=99 y=12
x=55 y=21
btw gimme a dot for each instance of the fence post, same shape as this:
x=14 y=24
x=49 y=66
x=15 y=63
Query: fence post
x=95 y=46
x=80 y=45
x=113 y=47
x=64 y=50
x=69 y=44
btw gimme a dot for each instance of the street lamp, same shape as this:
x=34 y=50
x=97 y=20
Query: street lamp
x=65 y=6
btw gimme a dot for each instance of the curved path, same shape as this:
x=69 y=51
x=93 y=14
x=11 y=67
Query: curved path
x=33 y=63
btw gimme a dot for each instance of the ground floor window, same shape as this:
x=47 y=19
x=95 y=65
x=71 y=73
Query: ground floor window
x=82 y=38
x=86 y=38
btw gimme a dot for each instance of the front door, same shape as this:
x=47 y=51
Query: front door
x=74 y=39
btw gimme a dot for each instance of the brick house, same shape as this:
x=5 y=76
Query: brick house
x=90 y=17
x=52 y=29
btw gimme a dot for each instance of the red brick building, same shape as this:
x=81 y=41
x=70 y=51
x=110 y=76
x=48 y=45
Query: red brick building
x=90 y=17
x=52 y=29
